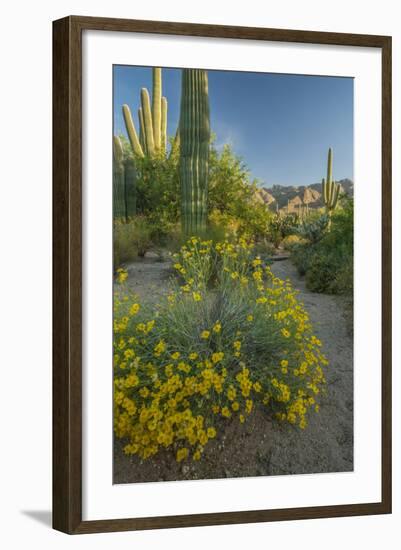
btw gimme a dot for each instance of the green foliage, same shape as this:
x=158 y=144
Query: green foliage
x=282 y=225
x=327 y=263
x=130 y=240
x=291 y=241
x=194 y=150
x=157 y=192
x=313 y=229
x=232 y=199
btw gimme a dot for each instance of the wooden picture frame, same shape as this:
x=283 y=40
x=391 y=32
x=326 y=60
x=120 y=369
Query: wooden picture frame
x=67 y=274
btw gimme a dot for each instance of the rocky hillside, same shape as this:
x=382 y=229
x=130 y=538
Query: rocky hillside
x=293 y=198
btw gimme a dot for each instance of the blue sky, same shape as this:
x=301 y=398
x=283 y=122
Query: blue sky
x=281 y=125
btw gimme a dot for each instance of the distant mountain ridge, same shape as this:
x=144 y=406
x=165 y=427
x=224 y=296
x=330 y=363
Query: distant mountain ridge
x=292 y=198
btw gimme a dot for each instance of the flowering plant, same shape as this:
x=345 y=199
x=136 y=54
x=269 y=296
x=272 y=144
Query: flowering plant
x=228 y=337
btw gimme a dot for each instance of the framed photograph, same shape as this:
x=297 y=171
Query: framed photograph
x=222 y=275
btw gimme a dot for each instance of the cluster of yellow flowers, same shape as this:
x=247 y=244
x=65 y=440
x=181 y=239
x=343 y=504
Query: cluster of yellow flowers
x=186 y=366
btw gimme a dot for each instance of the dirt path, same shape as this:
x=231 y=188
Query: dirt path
x=327 y=444
x=149 y=278
x=262 y=446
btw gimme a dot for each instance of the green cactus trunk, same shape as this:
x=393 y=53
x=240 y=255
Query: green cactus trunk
x=194 y=150
x=119 y=208
x=330 y=189
x=124 y=184
x=129 y=188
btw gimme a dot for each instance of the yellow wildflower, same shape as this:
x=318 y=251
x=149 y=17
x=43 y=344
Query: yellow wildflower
x=211 y=432
x=122 y=275
x=225 y=411
x=182 y=454
x=217 y=327
x=134 y=309
x=160 y=348
x=216 y=357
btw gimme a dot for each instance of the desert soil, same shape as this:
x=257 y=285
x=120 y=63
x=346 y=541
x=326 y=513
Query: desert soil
x=262 y=446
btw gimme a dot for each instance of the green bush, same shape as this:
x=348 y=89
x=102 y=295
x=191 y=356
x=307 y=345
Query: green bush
x=233 y=204
x=281 y=226
x=130 y=240
x=202 y=358
x=313 y=228
x=326 y=259
x=292 y=241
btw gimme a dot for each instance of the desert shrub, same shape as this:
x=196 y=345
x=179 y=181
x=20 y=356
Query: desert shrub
x=326 y=259
x=232 y=196
x=233 y=206
x=130 y=239
x=292 y=241
x=281 y=226
x=157 y=190
x=202 y=357
x=313 y=228
x=264 y=248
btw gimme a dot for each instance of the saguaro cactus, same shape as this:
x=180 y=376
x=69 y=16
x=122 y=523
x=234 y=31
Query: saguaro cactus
x=129 y=188
x=124 y=183
x=119 y=210
x=194 y=150
x=152 y=116
x=330 y=189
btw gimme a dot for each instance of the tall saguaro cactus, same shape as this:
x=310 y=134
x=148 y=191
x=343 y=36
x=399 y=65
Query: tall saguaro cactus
x=330 y=189
x=129 y=188
x=119 y=210
x=152 y=116
x=124 y=183
x=194 y=150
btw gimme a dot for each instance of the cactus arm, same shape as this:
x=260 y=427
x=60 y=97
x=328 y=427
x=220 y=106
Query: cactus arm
x=117 y=149
x=164 y=126
x=176 y=142
x=336 y=195
x=142 y=130
x=324 y=191
x=148 y=125
x=157 y=107
x=205 y=144
x=131 y=131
